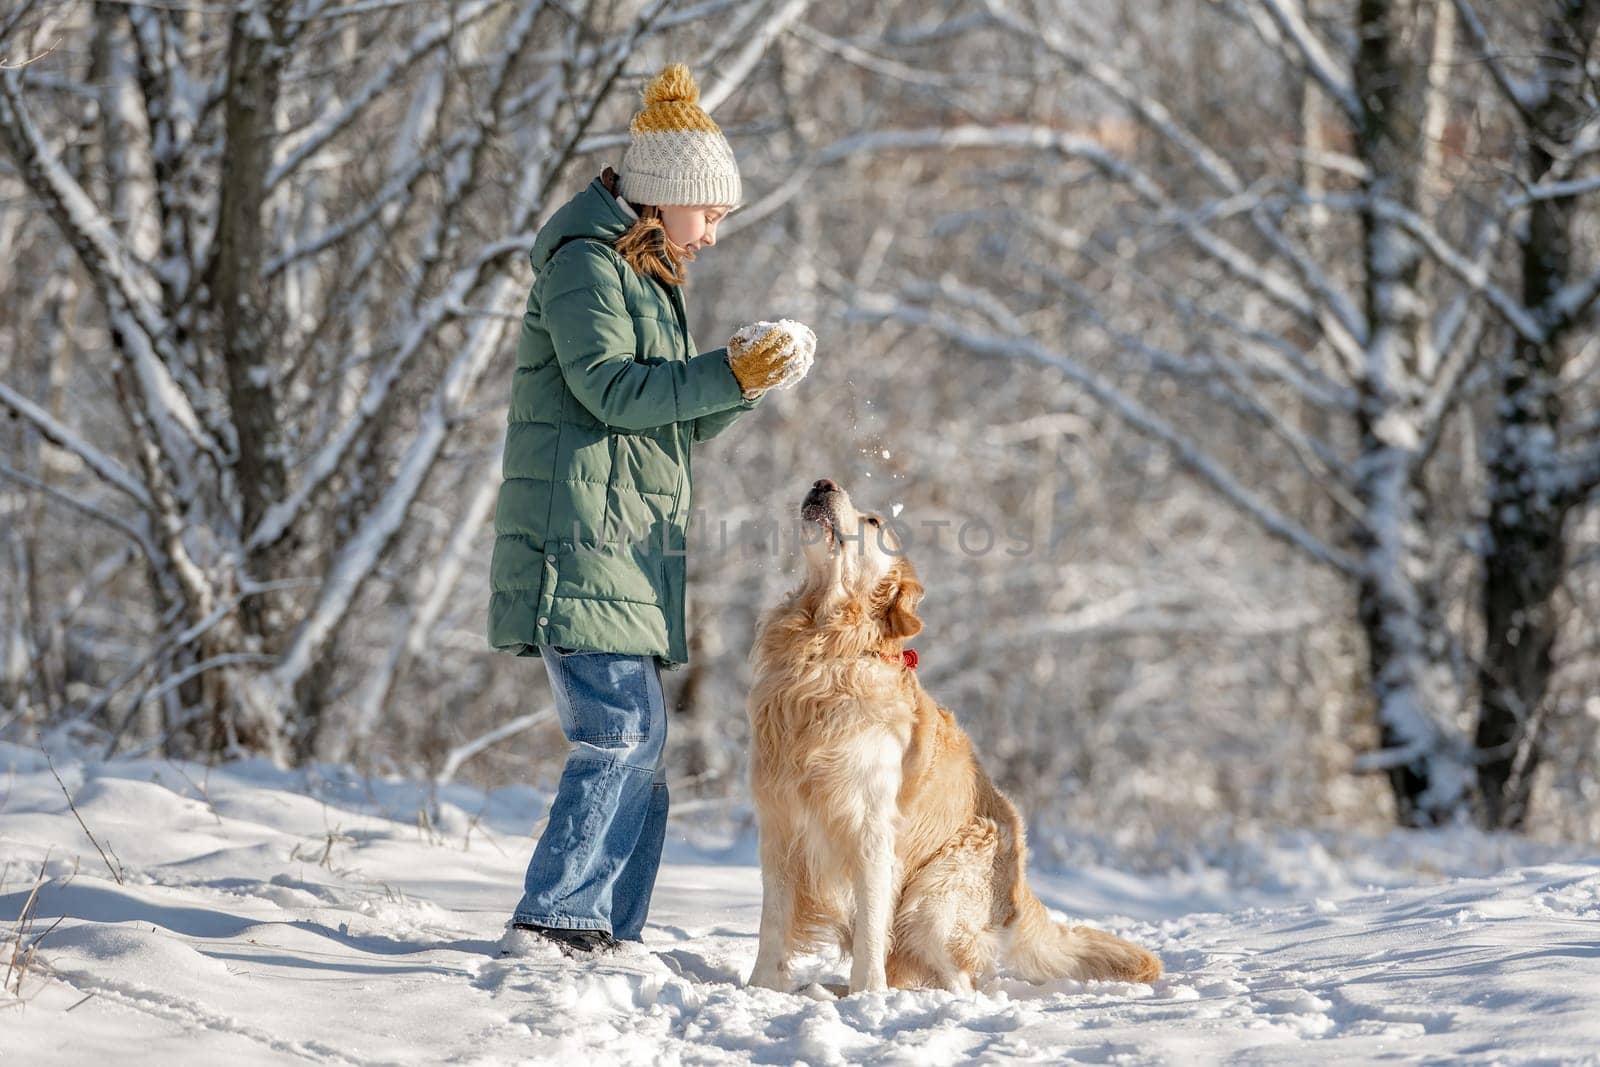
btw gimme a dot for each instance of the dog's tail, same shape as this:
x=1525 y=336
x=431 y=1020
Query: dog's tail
x=1042 y=949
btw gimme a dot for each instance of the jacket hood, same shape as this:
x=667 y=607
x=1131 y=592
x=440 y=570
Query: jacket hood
x=594 y=212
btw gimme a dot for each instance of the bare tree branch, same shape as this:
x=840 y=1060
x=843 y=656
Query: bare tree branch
x=357 y=557
x=461 y=753
x=140 y=327
x=1331 y=74
x=339 y=116
x=133 y=533
x=1136 y=415
x=110 y=470
x=1525 y=97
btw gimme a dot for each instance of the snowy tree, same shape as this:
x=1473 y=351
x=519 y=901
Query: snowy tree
x=1535 y=483
x=301 y=225
x=1347 y=318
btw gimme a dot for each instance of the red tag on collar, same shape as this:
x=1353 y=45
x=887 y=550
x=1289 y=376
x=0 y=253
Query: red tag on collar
x=907 y=658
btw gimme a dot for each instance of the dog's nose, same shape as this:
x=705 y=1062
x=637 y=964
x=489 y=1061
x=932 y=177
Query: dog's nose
x=825 y=485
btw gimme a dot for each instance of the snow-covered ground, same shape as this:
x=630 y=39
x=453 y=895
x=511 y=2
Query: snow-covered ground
x=267 y=916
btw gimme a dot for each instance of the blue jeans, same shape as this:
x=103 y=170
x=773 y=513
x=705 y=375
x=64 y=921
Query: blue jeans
x=596 y=862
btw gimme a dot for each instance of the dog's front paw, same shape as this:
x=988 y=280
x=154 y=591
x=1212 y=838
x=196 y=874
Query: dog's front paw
x=763 y=978
x=868 y=980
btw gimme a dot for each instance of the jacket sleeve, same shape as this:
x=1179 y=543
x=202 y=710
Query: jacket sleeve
x=592 y=334
x=708 y=426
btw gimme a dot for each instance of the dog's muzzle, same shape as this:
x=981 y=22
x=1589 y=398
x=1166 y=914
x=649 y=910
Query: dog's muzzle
x=818 y=503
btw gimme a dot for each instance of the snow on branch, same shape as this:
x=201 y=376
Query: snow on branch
x=1333 y=76
x=1151 y=113
x=1343 y=326
x=138 y=324
x=731 y=73
x=461 y=753
x=1474 y=273
x=361 y=553
x=870 y=61
x=1567 y=304
x=1347 y=330
x=401 y=183
x=1291 y=367
x=1579 y=474
x=1232 y=389
x=426 y=602
x=1526 y=96
x=939 y=139
x=325 y=463
x=1136 y=415
x=92 y=234
x=62 y=437
x=1552 y=190
x=1137 y=612
x=1274 y=284
x=135 y=534
x=294 y=152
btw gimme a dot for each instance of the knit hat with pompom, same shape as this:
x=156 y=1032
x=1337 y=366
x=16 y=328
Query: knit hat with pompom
x=677 y=155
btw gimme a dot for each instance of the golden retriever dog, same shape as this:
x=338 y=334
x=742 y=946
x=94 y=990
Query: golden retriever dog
x=879 y=828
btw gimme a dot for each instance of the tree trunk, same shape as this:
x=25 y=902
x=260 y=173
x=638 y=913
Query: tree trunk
x=1392 y=598
x=240 y=311
x=239 y=304
x=1526 y=558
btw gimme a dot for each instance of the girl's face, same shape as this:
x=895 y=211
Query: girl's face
x=693 y=227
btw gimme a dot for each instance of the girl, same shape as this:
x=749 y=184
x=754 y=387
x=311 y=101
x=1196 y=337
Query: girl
x=607 y=400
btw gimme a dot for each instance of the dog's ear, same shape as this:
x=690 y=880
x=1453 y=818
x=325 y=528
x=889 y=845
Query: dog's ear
x=901 y=619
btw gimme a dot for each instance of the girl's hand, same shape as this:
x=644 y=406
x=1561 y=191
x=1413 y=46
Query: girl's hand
x=771 y=355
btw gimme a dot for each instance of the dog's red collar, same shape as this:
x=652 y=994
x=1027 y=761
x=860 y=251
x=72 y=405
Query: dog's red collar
x=906 y=659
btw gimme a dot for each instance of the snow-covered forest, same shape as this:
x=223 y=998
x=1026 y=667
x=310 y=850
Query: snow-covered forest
x=1231 y=365
x=1248 y=347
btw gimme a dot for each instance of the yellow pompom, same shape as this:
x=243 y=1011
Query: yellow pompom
x=674 y=83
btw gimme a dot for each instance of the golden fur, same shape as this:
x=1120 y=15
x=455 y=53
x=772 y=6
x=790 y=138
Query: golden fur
x=879 y=828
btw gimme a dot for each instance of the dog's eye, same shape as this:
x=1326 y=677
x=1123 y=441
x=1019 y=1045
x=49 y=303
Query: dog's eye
x=873 y=519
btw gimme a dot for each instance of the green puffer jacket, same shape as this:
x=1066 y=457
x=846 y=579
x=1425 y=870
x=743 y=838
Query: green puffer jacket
x=607 y=401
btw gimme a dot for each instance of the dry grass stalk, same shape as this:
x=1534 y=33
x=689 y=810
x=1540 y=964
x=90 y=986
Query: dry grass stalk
x=114 y=868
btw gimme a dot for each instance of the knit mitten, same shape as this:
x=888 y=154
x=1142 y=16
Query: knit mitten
x=771 y=355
